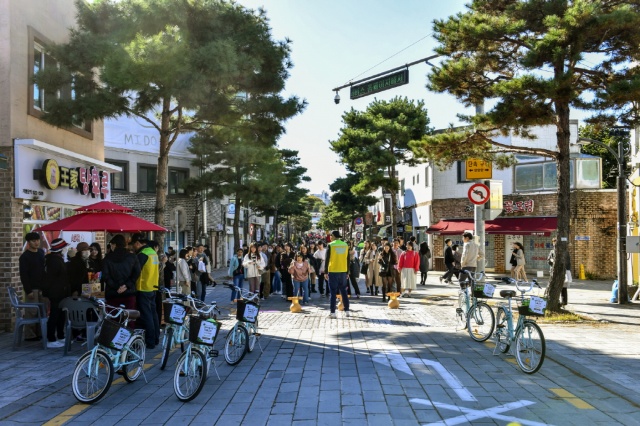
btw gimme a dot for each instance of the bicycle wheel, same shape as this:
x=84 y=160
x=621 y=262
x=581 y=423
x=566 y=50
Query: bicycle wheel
x=235 y=345
x=502 y=331
x=134 y=359
x=167 y=345
x=190 y=374
x=253 y=330
x=92 y=376
x=461 y=311
x=480 y=322
x=530 y=347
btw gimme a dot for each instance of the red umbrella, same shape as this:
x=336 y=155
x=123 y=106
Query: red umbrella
x=105 y=207
x=110 y=222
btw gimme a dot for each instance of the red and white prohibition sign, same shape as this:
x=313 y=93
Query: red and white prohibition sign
x=478 y=193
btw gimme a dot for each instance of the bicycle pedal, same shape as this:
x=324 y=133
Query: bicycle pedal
x=257 y=334
x=458 y=311
x=213 y=353
x=500 y=326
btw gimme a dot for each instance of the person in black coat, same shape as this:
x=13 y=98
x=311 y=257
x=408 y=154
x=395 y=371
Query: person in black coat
x=56 y=287
x=120 y=271
x=78 y=269
x=449 y=262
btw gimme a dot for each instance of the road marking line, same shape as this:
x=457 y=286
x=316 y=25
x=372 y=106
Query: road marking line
x=396 y=360
x=470 y=414
x=78 y=408
x=572 y=399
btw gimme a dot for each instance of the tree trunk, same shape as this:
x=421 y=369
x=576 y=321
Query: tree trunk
x=394 y=203
x=563 y=133
x=162 y=176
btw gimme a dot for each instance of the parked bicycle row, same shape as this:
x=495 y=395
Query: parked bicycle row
x=191 y=324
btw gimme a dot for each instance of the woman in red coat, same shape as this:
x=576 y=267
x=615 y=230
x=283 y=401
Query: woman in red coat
x=409 y=265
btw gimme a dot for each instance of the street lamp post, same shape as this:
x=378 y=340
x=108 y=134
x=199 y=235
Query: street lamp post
x=622 y=215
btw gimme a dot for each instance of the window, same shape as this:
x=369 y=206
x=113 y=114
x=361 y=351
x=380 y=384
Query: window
x=418 y=178
x=177 y=178
x=413 y=180
x=539 y=176
x=427 y=176
x=147 y=178
x=402 y=187
x=462 y=172
x=119 y=180
x=39 y=99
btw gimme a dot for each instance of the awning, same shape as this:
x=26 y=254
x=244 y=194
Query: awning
x=542 y=226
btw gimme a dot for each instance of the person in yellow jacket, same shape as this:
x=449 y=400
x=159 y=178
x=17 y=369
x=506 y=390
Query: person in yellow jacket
x=146 y=286
x=337 y=265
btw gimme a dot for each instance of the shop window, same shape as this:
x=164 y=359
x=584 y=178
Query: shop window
x=147 y=178
x=39 y=99
x=120 y=180
x=177 y=178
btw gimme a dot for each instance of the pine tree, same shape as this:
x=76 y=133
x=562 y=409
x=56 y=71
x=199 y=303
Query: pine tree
x=529 y=59
x=374 y=142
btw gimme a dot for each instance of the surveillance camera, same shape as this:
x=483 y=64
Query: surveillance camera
x=337 y=99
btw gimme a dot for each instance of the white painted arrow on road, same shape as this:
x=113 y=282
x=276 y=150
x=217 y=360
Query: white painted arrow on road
x=395 y=360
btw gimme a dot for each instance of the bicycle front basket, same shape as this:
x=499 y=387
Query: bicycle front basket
x=113 y=335
x=175 y=313
x=483 y=290
x=533 y=306
x=203 y=331
x=247 y=311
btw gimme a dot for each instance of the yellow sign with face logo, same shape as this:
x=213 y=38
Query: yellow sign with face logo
x=51 y=174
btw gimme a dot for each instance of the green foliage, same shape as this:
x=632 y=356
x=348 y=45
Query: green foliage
x=178 y=65
x=346 y=203
x=609 y=137
x=528 y=59
x=333 y=218
x=314 y=204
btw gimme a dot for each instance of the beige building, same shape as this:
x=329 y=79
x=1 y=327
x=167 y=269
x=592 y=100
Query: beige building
x=43 y=169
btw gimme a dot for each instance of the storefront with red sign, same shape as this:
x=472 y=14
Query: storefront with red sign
x=52 y=181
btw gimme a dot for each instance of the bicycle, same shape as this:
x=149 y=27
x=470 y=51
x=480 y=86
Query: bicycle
x=243 y=336
x=530 y=344
x=476 y=315
x=176 y=316
x=118 y=349
x=193 y=365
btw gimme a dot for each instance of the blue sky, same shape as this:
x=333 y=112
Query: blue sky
x=336 y=40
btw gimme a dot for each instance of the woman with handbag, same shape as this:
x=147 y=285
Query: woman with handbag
x=372 y=278
x=307 y=253
x=518 y=251
x=183 y=274
x=386 y=261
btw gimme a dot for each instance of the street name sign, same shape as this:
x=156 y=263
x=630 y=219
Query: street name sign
x=478 y=169
x=387 y=82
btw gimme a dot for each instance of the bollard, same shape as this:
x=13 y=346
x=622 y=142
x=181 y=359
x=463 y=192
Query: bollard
x=394 y=303
x=295 y=304
x=582 y=275
x=340 y=304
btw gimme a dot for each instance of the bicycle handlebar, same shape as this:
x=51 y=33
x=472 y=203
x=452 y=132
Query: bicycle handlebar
x=245 y=294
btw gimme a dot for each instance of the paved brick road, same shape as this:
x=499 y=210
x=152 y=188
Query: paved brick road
x=404 y=367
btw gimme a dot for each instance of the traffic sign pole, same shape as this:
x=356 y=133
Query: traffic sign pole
x=479 y=194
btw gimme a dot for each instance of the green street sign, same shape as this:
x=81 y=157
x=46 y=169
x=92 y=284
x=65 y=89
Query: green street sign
x=379 y=84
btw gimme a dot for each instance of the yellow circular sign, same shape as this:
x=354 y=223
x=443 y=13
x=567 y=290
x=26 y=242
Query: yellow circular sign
x=51 y=174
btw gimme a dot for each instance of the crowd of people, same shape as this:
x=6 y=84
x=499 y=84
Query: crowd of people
x=130 y=274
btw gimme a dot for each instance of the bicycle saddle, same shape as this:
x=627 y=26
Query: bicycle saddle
x=507 y=293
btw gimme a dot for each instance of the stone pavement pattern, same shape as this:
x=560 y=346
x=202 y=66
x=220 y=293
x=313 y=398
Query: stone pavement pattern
x=403 y=367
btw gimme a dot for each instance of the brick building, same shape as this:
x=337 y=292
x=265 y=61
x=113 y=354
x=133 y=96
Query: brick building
x=592 y=238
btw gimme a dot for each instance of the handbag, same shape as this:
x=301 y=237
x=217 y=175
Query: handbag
x=364 y=268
